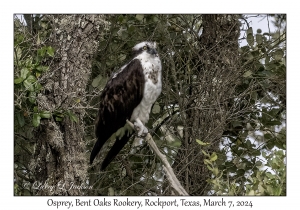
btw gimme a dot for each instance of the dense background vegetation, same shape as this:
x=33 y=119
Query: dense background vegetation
x=220 y=118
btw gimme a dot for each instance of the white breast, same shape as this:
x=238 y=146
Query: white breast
x=153 y=85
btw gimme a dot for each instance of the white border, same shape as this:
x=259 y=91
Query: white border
x=152 y=6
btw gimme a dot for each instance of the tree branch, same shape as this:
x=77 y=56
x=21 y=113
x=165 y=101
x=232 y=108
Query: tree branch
x=175 y=184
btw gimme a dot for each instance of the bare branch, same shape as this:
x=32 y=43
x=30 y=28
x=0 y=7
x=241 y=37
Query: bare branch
x=167 y=167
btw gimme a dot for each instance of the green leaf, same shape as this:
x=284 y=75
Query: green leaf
x=264 y=154
x=247 y=73
x=258 y=163
x=155 y=19
x=232 y=169
x=28 y=85
x=201 y=143
x=131 y=29
x=176 y=143
x=209 y=168
x=240 y=172
x=17 y=53
x=32 y=97
x=122 y=57
x=206 y=161
x=41 y=52
x=99 y=82
x=37 y=86
x=248 y=143
x=24 y=73
x=271 y=66
x=120 y=18
x=37 y=74
x=96 y=81
x=135 y=159
x=251 y=193
x=256 y=152
x=254 y=95
x=156 y=108
x=268 y=136
x=139 y=17
x=77 y=100
x=50 y=51
x=241 y=165
x=249 y=56
x=213 y=157
x=205 y=153
x=18 y=80
x=124 y=37
x=249 y=31
x=35 y=109
x=43 y=24
x=58 y=119
x=45 y=114
x=36 y=120
x=72 y=116
x=255 y=53
x=239 y=152
x=31 y=78
x=215 y=171
x=250 y=39
x=278 y=54
x=21 y=119
x=244 y=49
x=259 y=39
x=236 y=124
x=42 y=68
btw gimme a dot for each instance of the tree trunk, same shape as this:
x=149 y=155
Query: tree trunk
x=205 y=108
x=60 y=163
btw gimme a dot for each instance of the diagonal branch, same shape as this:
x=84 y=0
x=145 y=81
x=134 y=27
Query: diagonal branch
x=175 y=184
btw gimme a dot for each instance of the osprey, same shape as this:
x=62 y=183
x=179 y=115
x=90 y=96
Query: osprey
x=128 y=95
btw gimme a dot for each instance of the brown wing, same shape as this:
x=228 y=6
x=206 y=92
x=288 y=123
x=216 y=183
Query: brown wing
x=118 y=100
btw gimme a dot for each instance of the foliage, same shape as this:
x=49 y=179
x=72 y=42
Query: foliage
x=260 y=103
x=238 y=144
x=243 y=177
x=253 y=159
x=30 y=55
x=31 y=62
x=28 y=65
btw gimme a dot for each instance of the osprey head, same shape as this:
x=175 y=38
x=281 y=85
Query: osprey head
x=148 y=47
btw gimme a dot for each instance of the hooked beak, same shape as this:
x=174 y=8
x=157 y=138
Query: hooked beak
x=153 y=52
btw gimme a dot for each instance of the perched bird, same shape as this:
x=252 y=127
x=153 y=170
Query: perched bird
x=128 y=95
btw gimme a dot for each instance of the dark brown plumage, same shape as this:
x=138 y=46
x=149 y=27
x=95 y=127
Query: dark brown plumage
x=117 y=102
x=128 y=95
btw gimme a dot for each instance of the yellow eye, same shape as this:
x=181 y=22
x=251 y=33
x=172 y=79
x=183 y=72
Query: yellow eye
x=145 y=48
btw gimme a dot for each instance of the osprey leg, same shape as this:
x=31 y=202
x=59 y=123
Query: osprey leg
x=140 y=128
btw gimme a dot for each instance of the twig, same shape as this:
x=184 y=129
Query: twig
x=175 y=184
